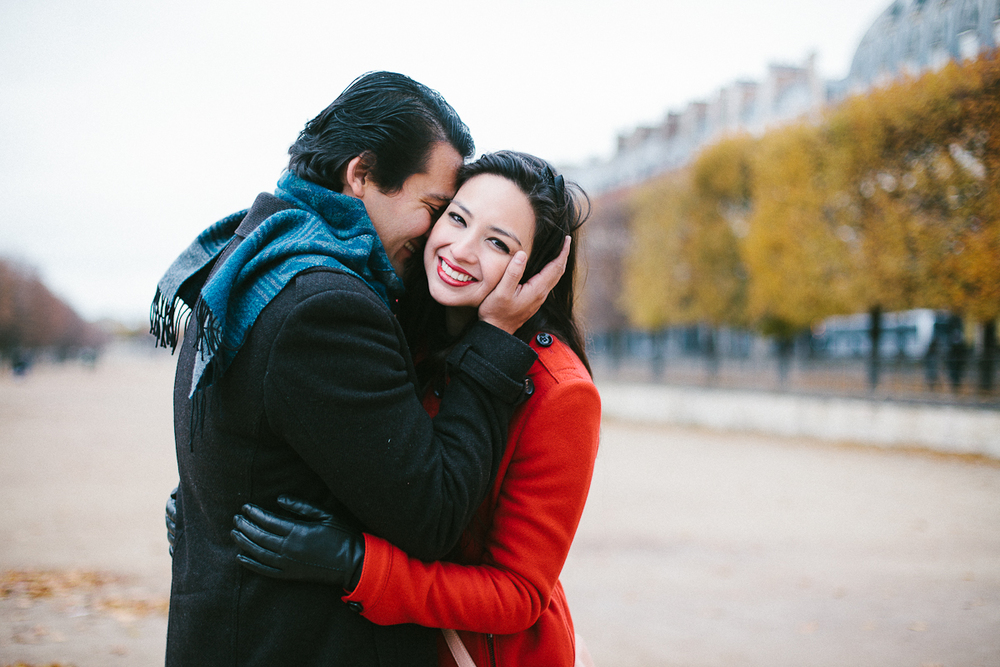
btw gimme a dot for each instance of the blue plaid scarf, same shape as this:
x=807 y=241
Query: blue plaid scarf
x=323 y=229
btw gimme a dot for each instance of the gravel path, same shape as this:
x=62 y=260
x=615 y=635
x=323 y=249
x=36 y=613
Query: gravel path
x=698 y=548
x=87 y=464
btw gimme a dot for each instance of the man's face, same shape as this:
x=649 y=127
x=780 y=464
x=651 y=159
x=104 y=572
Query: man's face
x=402 y=219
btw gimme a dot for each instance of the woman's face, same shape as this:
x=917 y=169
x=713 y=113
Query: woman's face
x=471 y=244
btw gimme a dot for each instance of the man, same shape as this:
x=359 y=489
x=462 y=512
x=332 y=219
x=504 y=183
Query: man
x=295 y=378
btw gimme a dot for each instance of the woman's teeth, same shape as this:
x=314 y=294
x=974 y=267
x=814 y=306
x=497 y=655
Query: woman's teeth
x=455 y=275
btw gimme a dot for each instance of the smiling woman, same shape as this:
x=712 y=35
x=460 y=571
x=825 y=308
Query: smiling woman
x=506 y=202
x=469 y=248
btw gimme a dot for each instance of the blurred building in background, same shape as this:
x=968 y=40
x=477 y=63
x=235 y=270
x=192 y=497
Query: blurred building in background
x=913 y=36
x=909 y=37
x=788 y=92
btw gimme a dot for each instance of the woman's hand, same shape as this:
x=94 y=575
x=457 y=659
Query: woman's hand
x=319 y=547
x=511 y=304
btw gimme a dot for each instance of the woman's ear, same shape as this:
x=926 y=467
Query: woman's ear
x=357 y=176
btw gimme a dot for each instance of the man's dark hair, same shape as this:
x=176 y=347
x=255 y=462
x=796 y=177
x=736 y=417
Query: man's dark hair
x=387 y=118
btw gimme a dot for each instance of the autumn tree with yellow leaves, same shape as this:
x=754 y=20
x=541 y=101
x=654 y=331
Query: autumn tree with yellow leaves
x=800 y=261
x=685 y=263
x=891 y=202
x=916 y=169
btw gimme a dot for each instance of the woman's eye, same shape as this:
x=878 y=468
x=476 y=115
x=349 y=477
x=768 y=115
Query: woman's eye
x=457 y=218
x=501 y=245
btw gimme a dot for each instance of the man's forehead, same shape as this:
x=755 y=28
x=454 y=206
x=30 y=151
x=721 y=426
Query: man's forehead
x=442 y=197
x=436 y=190
x=439 y=180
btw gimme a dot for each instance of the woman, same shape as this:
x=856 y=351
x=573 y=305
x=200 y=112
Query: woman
x=500 y=586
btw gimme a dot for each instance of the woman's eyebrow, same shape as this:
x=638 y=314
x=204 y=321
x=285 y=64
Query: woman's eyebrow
x=508 y=234
x=492 y=228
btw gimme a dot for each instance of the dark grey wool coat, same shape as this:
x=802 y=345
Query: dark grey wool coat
x=320 y=402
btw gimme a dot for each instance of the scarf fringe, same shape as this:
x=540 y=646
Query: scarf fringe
x=207 y=339
x=208 y=334
x=167 y=318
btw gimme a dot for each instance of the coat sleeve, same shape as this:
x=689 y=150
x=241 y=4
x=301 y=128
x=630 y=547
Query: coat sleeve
x=339 y=390
x=537 y=512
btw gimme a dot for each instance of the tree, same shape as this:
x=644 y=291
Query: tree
x=658 y=281
x=722 y=204
x=800 y=260
x=890 y=202
x=34 y=319
x=918 y=168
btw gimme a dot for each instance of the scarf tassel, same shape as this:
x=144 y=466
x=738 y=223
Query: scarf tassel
x=208 y=333
x=166 y=320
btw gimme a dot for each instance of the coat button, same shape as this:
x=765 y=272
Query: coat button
x=543 y=339
x=529 y=387
x=356 y=607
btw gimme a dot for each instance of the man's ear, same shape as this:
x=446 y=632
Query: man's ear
x=357 y=176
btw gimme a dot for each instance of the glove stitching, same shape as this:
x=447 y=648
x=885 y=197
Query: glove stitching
x=311 y=564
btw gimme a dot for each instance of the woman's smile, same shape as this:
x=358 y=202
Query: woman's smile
x=453 y=275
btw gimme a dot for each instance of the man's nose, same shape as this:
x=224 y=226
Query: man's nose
x=423 y=227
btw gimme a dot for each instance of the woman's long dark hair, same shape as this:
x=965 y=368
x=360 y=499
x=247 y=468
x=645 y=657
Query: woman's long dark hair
x=558 y=214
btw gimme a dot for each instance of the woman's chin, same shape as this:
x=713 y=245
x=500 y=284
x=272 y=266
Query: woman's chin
x=450 y=299
x=458 y=304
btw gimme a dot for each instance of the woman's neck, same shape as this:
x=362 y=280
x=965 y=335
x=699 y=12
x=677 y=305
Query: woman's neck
x=457 y=318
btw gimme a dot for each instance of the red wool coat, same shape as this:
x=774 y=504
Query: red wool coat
x=502 y=592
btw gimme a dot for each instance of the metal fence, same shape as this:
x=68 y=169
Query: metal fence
x=741 y=360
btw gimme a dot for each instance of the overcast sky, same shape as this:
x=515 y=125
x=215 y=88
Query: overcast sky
x=127 y=126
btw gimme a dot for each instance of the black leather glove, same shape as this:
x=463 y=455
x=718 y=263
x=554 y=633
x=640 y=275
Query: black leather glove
x=172 y=520
x=319 y=547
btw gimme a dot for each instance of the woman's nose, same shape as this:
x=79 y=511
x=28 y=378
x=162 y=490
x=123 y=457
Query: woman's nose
x=463 y=248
